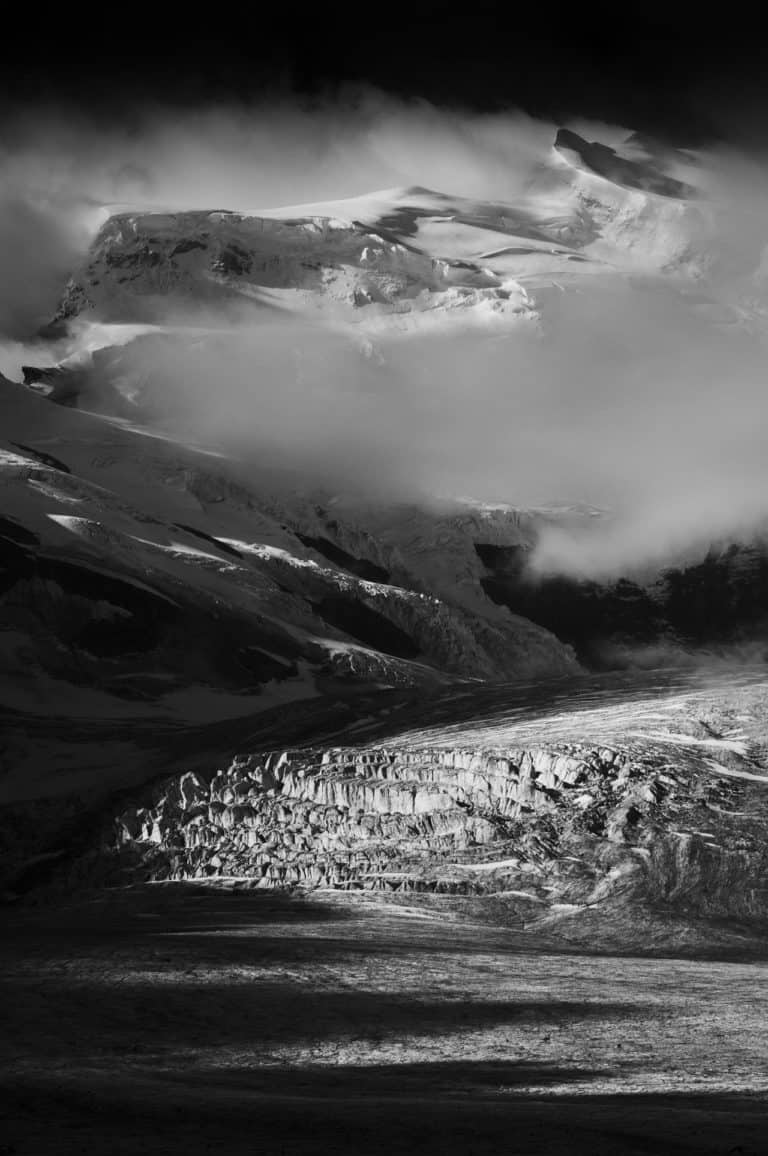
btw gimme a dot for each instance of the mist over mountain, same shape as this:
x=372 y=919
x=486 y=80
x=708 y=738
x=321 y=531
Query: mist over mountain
x=383 y=584
x=432 y=393
x=636 y=303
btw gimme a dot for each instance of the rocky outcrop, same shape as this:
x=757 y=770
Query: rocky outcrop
x=139 y=263
x=116 y=550
x=608 y=163
x=715 y=599
x=706 y=878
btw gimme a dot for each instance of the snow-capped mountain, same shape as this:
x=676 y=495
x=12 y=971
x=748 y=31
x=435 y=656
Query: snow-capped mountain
x=158 y=581
x=147 y=579
x=403 y=251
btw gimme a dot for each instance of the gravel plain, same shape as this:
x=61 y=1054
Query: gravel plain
x=201 y=1018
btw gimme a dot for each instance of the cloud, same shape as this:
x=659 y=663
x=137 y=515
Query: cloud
x=57 y=172
x=632 y=396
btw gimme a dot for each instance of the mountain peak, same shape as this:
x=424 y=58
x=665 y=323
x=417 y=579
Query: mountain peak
x=604 y=161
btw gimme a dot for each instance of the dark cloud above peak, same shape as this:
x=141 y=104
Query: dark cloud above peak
x=651 y=69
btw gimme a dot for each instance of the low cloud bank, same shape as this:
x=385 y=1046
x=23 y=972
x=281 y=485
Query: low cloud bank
x=629 y=397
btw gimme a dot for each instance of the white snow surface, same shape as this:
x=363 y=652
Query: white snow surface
x=398 y=259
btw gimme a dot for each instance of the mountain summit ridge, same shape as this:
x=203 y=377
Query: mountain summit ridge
x=171 y=569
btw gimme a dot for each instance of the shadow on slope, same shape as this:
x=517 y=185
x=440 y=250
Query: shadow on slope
x=300 y=1112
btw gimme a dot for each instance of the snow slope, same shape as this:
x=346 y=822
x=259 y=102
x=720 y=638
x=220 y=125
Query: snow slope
x=408 y=251
x=148 y=581
x=124 y=538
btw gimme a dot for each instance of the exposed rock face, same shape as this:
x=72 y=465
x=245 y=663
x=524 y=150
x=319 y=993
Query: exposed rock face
x=124 y=540
x=714 y=597
x=606 y=162
x=157 y=585
x=140 y=263
x=717 y=599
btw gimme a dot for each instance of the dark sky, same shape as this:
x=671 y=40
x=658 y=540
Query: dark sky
x=679 y=73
